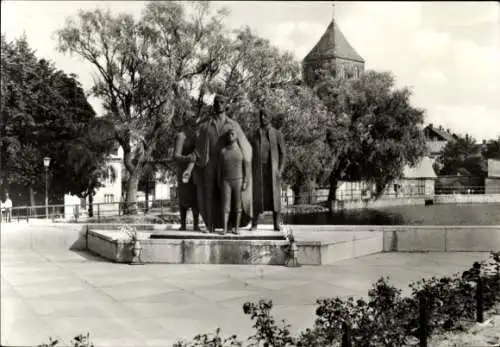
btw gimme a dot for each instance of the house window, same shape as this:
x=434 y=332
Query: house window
x=109 y=198
x=109 y=176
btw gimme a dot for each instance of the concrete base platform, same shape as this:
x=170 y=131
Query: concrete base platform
x=261 y=247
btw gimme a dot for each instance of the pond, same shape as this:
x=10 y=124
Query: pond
x=446 y=214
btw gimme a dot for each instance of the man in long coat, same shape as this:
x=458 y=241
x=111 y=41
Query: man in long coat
x=209 y=143
x=187 y=195
x=268 y=162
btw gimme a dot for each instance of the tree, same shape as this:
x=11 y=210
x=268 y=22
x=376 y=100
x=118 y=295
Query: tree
x=86 y=157
x=303 y=120
x=145 y=70
x=462 y=157
x=375 y=130
x=250 y=72
x=257 y=75
x=44 y=113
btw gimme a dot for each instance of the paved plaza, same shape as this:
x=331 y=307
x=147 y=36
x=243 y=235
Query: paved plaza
x=62 y=293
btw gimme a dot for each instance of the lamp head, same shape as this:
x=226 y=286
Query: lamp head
x=46 y=162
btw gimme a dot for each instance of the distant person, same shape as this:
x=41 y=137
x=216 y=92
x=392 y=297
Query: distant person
x=7 y=205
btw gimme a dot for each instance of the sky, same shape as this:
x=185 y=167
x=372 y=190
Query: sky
x=447 y=52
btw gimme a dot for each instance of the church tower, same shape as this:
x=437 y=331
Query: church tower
x=332 y=51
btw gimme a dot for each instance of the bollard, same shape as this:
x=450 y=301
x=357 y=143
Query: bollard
x=98 y=212
x=480 y=300
x=423 y=321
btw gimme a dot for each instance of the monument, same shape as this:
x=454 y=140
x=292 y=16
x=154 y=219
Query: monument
x=268 y=162
x=208 y=146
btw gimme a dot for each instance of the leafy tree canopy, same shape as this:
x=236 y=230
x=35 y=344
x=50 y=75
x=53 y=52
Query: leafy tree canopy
x=462 y=156
x=44 y=113
x=375 y=130
x=146 y=68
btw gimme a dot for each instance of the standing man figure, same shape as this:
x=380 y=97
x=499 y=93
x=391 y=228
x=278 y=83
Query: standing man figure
x=268 y=162
x=185 y=158
x=210 y=141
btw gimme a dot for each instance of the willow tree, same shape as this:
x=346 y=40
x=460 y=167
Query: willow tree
x=375 y=130
x=146 y=68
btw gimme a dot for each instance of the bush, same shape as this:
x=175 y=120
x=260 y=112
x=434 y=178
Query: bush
x=385 y=319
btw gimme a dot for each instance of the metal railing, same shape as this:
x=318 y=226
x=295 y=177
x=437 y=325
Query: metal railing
x=78 y=212
x=318 y=198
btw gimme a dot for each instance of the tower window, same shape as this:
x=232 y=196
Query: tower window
x=349 y=71
x=341 y=71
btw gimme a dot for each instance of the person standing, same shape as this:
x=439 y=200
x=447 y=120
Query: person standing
x=8 y=208
x=268 y=162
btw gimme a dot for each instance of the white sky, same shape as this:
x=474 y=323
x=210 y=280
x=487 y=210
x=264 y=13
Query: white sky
x=448 y=52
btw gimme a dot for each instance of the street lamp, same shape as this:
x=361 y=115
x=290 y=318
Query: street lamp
x=46 y=163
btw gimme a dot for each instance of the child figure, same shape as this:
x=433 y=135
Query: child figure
x=232 y=178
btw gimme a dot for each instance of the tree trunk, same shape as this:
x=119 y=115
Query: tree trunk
x=296 y=195
x=91 y=205
x=146 y=209
x=332 y=194
x=131 y=195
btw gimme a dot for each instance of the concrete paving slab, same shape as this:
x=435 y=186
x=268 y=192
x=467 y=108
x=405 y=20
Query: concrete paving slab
x=151 y=305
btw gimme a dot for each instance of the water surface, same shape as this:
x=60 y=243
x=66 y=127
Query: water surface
x=445 y=214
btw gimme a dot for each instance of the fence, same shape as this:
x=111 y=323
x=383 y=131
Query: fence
x=77 y=212
x=319 y=198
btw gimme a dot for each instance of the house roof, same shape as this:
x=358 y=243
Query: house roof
x=446 y=136
x=333 y=44
x=423 y=169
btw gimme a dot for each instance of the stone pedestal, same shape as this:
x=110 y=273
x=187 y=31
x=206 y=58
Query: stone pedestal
x=261 y=247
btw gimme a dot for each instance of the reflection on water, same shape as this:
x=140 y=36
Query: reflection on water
x=361 y=217
x=448 y=214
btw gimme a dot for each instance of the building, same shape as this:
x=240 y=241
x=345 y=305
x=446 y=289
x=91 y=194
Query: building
x=417 y=182
x=108 y=196
x=436 y=138
x=492 y=182
x=332 y=52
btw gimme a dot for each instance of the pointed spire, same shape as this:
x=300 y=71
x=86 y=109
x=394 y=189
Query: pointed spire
x=333 y=44
x=333 y=11
x=333 y=21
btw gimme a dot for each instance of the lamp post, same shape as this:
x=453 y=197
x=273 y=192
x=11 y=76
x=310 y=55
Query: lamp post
x=46 y=163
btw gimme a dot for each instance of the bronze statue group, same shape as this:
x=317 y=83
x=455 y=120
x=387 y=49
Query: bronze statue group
x=226 y=178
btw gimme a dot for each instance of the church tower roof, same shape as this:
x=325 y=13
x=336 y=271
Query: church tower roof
x=331 y=45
